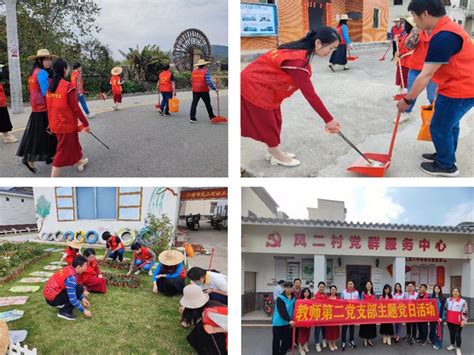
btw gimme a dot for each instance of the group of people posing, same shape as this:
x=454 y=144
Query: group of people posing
x=452 y=309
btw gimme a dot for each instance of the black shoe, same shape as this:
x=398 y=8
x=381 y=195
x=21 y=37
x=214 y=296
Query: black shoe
x=193 y=120
x=352 y=344
x=435 y=170
x=345 y=68
x=167 y=114
x=331 y=67
x=49 y=161
x=411 y=341
x=161 y=112
x=66 y=316
x=428 y=157
x=343 y=346
x=33 y=170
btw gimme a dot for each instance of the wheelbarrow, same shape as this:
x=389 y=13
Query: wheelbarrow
x=375 y=164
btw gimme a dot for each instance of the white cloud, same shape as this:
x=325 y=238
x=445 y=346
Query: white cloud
x=463 y=212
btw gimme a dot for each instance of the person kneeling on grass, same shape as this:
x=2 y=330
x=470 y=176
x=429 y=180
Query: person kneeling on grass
x=170 y=273
x=114 y=247
x=71 y=252
x=92 y=278
x=143 y=258
x=213 y=283
x=63 y=291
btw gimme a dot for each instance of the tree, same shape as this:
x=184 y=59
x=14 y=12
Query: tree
x=43 y=207
x=144 y=64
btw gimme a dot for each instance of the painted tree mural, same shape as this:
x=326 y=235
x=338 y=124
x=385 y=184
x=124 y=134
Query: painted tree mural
x=155 y=206
x=43 y=208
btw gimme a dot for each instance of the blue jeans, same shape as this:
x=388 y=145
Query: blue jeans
x=82 y=101
x=117 y=254
x=165 y=106
x=146 y=267
x=317 y=332
x=430 y=89
x=438 y=341
x=444 y=128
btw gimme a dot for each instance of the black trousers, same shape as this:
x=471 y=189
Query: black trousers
x=207 y=344
x=207 y=101
x=394 y=49
x=411 y=330
x=170 y=287
x=63 y=299
x=281 y=339
x=422 y=331
x=344 y=332
x=455 y=334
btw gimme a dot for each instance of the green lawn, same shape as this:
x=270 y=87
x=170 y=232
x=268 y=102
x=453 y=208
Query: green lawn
x=125 y=321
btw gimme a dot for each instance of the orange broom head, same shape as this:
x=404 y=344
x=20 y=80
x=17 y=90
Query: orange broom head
x=103 y=96
x=219 y=119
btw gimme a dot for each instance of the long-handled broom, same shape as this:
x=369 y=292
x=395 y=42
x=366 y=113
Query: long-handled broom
x=388 y=48
x=218 y=118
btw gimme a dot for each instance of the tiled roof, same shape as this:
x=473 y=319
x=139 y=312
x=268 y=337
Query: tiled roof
x=463 y=229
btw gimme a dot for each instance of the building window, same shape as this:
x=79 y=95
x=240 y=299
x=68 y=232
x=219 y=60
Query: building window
x=460 y=22
x=376 y=20
x=6 y=198
x=280 y=269
x=96 y=202
x=213 y=207
x=266 y=1
x=293 y=271
x=65 y=210
x=130 y=203
x=397 y=2
x=464 y=4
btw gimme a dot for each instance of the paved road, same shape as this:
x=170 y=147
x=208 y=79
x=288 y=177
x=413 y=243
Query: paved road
x=361 y=100
x=258 y=341
x=143 y=143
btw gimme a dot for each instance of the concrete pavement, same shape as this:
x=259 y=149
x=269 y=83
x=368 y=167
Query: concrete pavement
x=143 y=143
x=361 y=100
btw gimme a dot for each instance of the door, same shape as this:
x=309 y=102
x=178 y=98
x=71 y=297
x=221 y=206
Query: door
x=250 y=291
x=315 y=15
x=360 y=274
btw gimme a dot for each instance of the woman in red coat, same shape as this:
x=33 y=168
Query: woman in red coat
x=275 y=76
x=92 y=278
x=64 y=115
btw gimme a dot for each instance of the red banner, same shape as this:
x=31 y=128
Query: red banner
x=309 y=313
x=207 y=194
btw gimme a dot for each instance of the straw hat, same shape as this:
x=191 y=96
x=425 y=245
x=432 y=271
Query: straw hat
x=201 y=62
x=344 y=17
x=193 y=297
x=42 y=53
x=74 y=244
x=410 y=20
x=171 y=257
x=4 y=337
x=397 y=19
x=116 y=70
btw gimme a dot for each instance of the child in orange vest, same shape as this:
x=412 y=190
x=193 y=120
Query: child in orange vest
x=92 y=278
x=114 y=247
x=72 y=250
x=5 y=123
x=64 y=116
x=167 y=86
x=116 y=82
x=143 y=259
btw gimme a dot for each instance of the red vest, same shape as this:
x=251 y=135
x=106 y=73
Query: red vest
x=143 y=254
x=91 y=271
x=318 y=296
x=417 y=59
x=397 y=31
x=198 y=80
x=113 y=244
x=265 y=84
x=3 y=97
x=165 y=81
x=37 y=100
x=402 y=49
x=71 y=254
x=116 y=87
x=456 y=79
x=79 y=86
x=55 y=284
x=60 y=116
x=339 y=30
x=368 y=297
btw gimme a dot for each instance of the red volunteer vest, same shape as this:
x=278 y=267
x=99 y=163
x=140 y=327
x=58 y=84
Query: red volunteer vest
x=116 y=87
x=55 y=284
x=143 y=254
x=318 y=296
x=456 y=79
x=368 y=297
x=78 y=86
x=165 y=81
x=265 y=84
x=417 y=59
x=71 y=254
x=397 y=31
x=198 y=80
x=3 y=97
x=37 y=100
x=60 y=116
x=113 y=244
x=339 y=30
x=91 y=271
x=402 y=49
x=454 y=310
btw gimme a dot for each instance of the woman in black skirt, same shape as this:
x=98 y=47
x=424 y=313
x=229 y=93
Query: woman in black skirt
x=170 y=273
x=386 y=329
x=5 y=123
x=368 y=331
x=339 y=56
x=37 y=143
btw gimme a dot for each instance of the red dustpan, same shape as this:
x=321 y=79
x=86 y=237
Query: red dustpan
x=218 y=118
x=350 y=57
x=381 y=162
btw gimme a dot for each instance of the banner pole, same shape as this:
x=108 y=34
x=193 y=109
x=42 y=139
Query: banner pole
x=293 y=341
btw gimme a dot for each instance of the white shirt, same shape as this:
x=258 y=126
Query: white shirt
x=398 y=296
x=346 y=295
x=277 y=292
x=411 y=296
x=217 y=281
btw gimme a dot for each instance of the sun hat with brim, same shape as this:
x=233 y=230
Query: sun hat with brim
x=410 y=20
x=116 y=70
x=201 y=62
x=42 y=53
x=171 y=257
x=74 y=244
x=397 y=19
x=344 y=17
x=193 y=297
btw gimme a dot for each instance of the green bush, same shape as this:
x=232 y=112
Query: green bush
x=131 y=86
x=163 y=231
x=182 y=80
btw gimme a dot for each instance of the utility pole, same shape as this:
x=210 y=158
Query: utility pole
x=13 y=57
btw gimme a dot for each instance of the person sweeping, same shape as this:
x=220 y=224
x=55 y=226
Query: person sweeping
x=116 y=82
x=167 y=87
x=449 y=64
x=5 y=123
x=275 y=76
x=64 y=115
x=396 y=31
x=201 y=82
x=339 y=56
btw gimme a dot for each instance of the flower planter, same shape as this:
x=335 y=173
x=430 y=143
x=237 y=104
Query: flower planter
x=123 y=281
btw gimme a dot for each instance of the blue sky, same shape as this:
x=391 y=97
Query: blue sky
x=412 y=205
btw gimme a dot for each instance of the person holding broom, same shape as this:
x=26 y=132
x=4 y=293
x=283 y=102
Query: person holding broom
x=5 y=123
x=167 y=87
x=275 y=76
x=64 y=115
x=449 y=64
x=201 y=82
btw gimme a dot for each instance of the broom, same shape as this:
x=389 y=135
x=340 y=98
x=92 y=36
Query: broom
x=218 y=118
x=158 y=105
x=388 y=48
x=103 y=95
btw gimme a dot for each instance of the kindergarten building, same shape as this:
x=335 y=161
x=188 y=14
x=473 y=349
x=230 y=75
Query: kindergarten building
x=265 y=26
x=325 y=247
x=62 y=212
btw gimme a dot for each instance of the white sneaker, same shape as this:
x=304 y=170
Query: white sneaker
x=458 y=351
x=384 y=339
x=91 y=115
x=137 y=272
x=451 y=347
x=81 y=165
x=335 y=346
x=291 y=163
x=300 y=348
x=150 y=273
x=305 y=347
x=318 y=348
x=389 y=341
x=324 y=340
x=9 y=138
x=268 y=156
x=331 y=347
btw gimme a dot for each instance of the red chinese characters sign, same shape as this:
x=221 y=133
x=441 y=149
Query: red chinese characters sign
x=309 y=313
x=208 y=194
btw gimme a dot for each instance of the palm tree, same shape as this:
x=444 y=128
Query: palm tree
x=142 y=61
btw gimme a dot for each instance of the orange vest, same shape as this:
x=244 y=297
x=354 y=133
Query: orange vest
x=3 y=97
x=456 y=79
x=265 y=84
x=143 y=254
x=37 y=100
x=165 y=81
x=113 y=244
x=55 y=284
x=116 y=87
x=339 y=30
x=91 y=271
x=78 y=86
x=402 y=49
x=198 y=80
x=417 y=59
x=60 y=116
x=71 y=254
